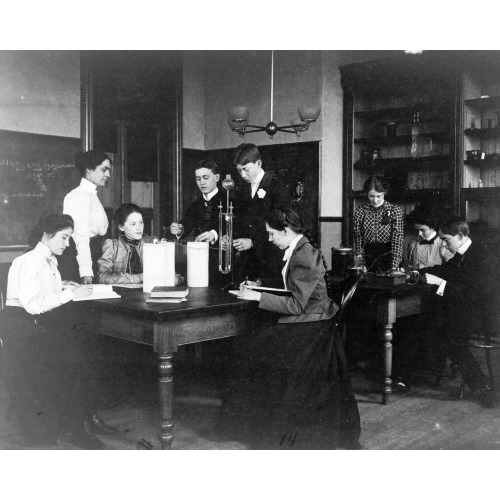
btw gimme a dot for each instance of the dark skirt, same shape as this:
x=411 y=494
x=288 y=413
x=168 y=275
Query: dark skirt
x=290 y=389
x=378 y=257
x=68 y=265
x=40 y=372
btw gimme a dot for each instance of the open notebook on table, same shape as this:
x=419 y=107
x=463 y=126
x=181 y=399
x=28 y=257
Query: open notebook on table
x=100 y=292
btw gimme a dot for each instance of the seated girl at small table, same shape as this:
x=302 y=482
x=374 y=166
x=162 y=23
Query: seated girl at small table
x=426 y=250
x=122 y=258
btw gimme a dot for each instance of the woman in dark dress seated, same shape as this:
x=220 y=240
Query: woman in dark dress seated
x=291 y=386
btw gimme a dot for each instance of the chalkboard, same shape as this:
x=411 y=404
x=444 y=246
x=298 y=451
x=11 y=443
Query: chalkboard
x=36 y=172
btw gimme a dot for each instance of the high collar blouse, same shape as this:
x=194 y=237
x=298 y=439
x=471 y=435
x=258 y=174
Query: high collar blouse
x=34 y=282
x=90 y=220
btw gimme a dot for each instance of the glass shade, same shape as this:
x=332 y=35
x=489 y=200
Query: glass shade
x=238 y=113
x=309 y=114
x=233 y=125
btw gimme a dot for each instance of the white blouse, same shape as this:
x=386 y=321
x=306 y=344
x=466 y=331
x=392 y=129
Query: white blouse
x=90 y=220
x=35 y=283
x=288 y=254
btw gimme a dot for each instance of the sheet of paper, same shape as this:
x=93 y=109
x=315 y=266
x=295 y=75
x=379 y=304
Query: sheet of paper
x=100 y=292
x=276 y=291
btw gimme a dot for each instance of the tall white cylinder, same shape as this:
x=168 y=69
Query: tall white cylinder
x=158 y=265
x=197 y=263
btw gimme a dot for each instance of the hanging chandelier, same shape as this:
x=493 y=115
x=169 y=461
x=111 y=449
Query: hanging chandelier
x=238 y=117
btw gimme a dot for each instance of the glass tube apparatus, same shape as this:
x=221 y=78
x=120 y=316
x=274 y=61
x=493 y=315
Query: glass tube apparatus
x=226 y=223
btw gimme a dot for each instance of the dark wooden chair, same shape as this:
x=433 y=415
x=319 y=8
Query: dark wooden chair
x=342 y=292
x=487 y=342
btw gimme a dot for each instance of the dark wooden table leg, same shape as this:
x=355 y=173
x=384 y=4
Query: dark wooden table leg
x=166 y=390
x=386 y=316
x=387 y=338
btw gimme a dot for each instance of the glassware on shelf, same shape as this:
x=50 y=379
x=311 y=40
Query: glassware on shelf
x=376 y=154
x=391 y=129
x=415 y=131
x=410 y=181
x=497 y=113
x=446 y=180
x=419 y=182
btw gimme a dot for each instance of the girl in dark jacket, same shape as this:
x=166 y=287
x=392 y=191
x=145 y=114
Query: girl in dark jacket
x=291 y=386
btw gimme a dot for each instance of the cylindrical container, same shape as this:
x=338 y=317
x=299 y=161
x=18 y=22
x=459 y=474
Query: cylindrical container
x=197 y=263
x=158 y=265
x=391 y=129
x=341 y=260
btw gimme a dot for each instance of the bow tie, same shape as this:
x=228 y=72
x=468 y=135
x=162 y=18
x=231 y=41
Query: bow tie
x=427 y=242
x=456 y=259
x=288 y=253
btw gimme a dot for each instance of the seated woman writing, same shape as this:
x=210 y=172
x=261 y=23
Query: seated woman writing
x=45 y=390
x=291 y=386
x=122 y=258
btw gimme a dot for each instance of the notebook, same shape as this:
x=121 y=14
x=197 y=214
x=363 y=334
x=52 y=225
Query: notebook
x=100 y=292
x=169 y=292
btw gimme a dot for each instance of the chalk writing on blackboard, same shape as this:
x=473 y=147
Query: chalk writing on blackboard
x=36 y=172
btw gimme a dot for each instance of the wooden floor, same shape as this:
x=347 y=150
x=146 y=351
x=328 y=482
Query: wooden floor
x=426 y=418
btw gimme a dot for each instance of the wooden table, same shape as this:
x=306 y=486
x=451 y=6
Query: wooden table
x=207 y=314
x=385 y=304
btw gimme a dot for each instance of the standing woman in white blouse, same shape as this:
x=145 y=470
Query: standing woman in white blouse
x=80 y=261
x=40 y=355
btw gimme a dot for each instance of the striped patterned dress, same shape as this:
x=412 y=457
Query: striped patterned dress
x=419 y=255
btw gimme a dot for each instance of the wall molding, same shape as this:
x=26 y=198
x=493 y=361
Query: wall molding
x=331 y=219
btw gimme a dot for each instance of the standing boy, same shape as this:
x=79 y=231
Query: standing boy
x=257 y=258
x=202 y=216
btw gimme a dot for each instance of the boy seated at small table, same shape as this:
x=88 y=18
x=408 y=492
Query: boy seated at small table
x=466 y=285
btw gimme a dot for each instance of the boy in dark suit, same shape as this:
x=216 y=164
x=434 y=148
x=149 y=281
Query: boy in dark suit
x=467 y=287
x=202 y=216
x=257 y=256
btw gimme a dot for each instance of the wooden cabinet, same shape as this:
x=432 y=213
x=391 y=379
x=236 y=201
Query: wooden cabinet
x=480 y=154
x=431 y=124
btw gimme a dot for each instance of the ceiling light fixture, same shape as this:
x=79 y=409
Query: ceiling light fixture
x=238 y=117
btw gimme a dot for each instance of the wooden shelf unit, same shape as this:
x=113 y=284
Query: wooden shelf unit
x=480 y=180
x=418 y=95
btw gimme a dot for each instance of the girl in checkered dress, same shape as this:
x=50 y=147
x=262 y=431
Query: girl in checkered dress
x=378 y=229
